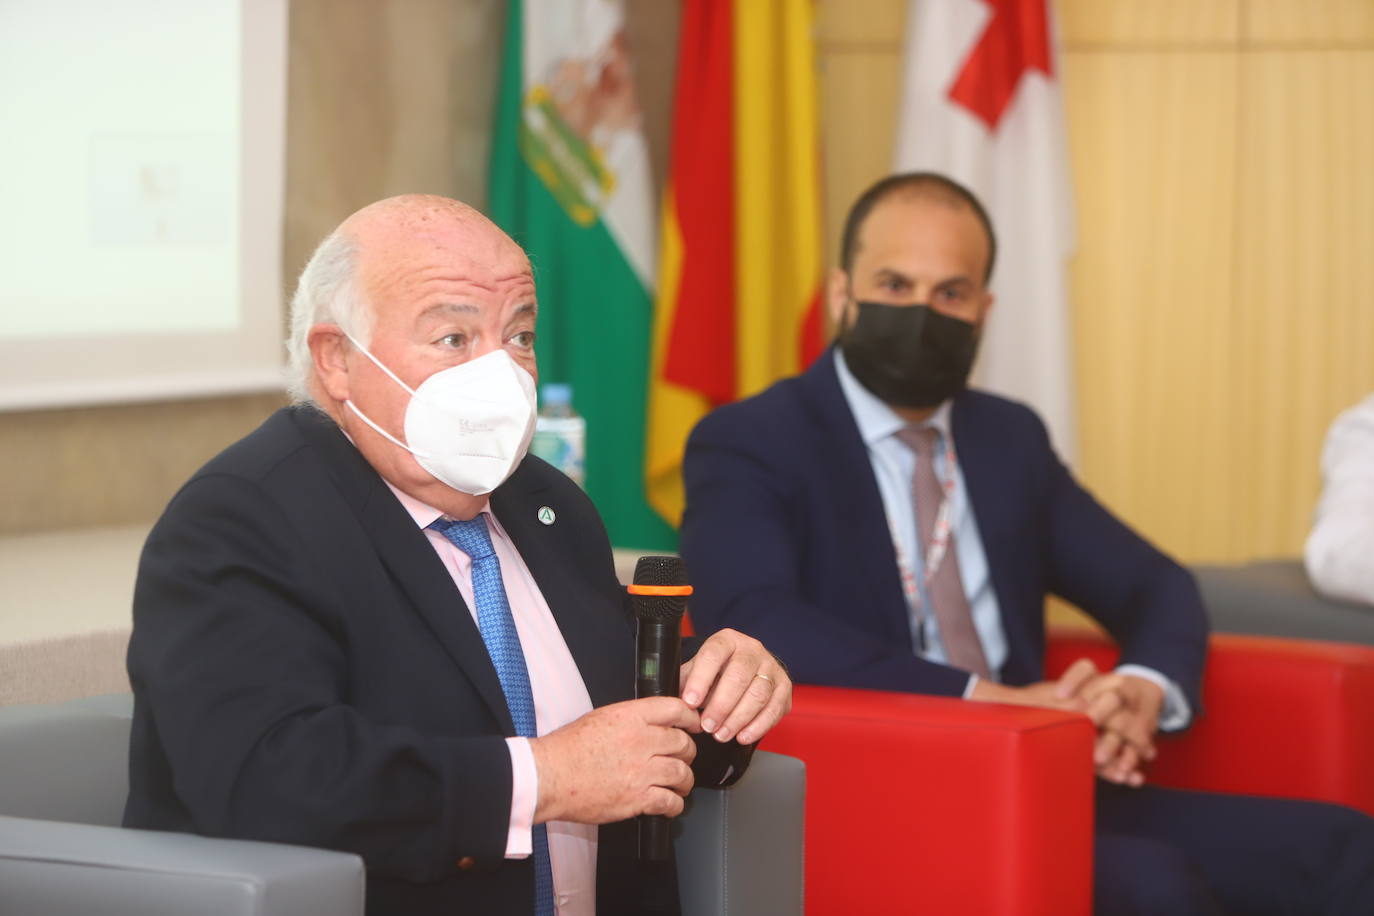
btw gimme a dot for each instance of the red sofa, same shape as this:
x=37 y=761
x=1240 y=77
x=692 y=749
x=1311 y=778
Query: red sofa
x=919 y=804
x=1285 y=717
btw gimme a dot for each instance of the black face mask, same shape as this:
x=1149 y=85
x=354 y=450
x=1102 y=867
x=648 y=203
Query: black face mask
x=909 y=355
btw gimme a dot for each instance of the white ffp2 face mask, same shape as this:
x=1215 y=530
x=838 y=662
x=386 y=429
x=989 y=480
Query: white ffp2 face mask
x=469 y=425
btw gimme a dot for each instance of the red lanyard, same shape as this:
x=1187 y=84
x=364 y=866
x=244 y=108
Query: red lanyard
x=939 y=540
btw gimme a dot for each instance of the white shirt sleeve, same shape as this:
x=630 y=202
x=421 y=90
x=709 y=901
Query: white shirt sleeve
x=968 y=688
x=1340 y=549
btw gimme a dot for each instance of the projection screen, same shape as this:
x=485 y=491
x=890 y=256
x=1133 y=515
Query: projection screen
x=140 y=199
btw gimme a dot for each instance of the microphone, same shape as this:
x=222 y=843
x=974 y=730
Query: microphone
x=659 y=597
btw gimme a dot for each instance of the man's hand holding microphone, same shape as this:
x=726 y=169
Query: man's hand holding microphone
x=634 y=758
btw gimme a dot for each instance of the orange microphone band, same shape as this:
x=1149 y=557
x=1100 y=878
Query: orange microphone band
x=660 y=591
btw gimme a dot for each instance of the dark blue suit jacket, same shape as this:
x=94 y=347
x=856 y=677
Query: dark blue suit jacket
x=786 y=539
x=305 y=671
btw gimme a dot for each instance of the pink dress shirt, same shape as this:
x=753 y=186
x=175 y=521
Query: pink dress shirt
x=559 y=698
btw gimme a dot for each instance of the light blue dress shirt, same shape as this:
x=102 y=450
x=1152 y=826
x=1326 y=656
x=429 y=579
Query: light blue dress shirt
x=894 y=465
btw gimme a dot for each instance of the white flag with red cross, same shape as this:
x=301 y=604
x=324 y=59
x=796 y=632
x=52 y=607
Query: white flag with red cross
x=981 y=103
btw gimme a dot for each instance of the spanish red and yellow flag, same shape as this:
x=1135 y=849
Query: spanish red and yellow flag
x=738 y=303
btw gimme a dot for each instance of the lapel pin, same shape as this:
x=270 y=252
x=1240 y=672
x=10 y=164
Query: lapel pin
x=546 y=515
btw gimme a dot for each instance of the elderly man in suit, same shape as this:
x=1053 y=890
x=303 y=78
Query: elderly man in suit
x=376 y=625
x=880 y=525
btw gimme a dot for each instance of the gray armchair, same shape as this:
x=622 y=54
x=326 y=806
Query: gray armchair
x=1275 y=598
x=64 y=776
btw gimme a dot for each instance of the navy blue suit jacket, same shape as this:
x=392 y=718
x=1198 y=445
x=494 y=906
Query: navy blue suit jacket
x=785 y=538
x=304 y=671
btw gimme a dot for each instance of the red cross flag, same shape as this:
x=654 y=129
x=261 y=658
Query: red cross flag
x=981 y=103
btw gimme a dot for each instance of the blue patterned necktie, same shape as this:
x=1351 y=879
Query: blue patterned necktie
x=503 y=645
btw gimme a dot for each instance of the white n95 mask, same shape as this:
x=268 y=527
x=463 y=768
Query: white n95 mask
x=468 y=425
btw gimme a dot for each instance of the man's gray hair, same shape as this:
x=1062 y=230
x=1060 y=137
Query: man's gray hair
x=327 y=293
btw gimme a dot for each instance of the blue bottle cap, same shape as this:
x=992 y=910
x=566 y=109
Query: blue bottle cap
x=556 y=394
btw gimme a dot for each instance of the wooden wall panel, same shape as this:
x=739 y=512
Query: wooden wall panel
x=651 y=27
x=1339 y=22
x=1152 y=140
x=102 y=466
x=1224 y=286
x=859 y=99
x=1122 y=23
x=864 y=22
x=385 y=98
x=1304 y=309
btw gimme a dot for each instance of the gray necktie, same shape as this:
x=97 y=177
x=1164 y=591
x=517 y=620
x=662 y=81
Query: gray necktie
x=944 y=590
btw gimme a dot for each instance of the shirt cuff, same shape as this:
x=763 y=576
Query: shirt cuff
x=972 y=683
x=524 y=793
x=1175 y=713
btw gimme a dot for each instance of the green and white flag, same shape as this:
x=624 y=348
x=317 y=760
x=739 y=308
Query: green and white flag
x=570 y=182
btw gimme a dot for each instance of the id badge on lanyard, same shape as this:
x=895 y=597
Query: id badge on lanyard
x=914 y=587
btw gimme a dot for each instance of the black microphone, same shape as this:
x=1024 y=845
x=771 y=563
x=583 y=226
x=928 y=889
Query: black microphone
x=659 y=597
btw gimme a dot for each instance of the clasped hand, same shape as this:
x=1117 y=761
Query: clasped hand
x=1125 y=709
x=635 y=757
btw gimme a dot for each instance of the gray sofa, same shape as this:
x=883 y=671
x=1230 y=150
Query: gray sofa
x=64 y=776
x=1275 y=598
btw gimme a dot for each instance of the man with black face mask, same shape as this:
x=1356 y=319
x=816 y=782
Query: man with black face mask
x=880 y=525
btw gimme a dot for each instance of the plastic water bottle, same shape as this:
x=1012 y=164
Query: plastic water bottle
x=560 y=435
